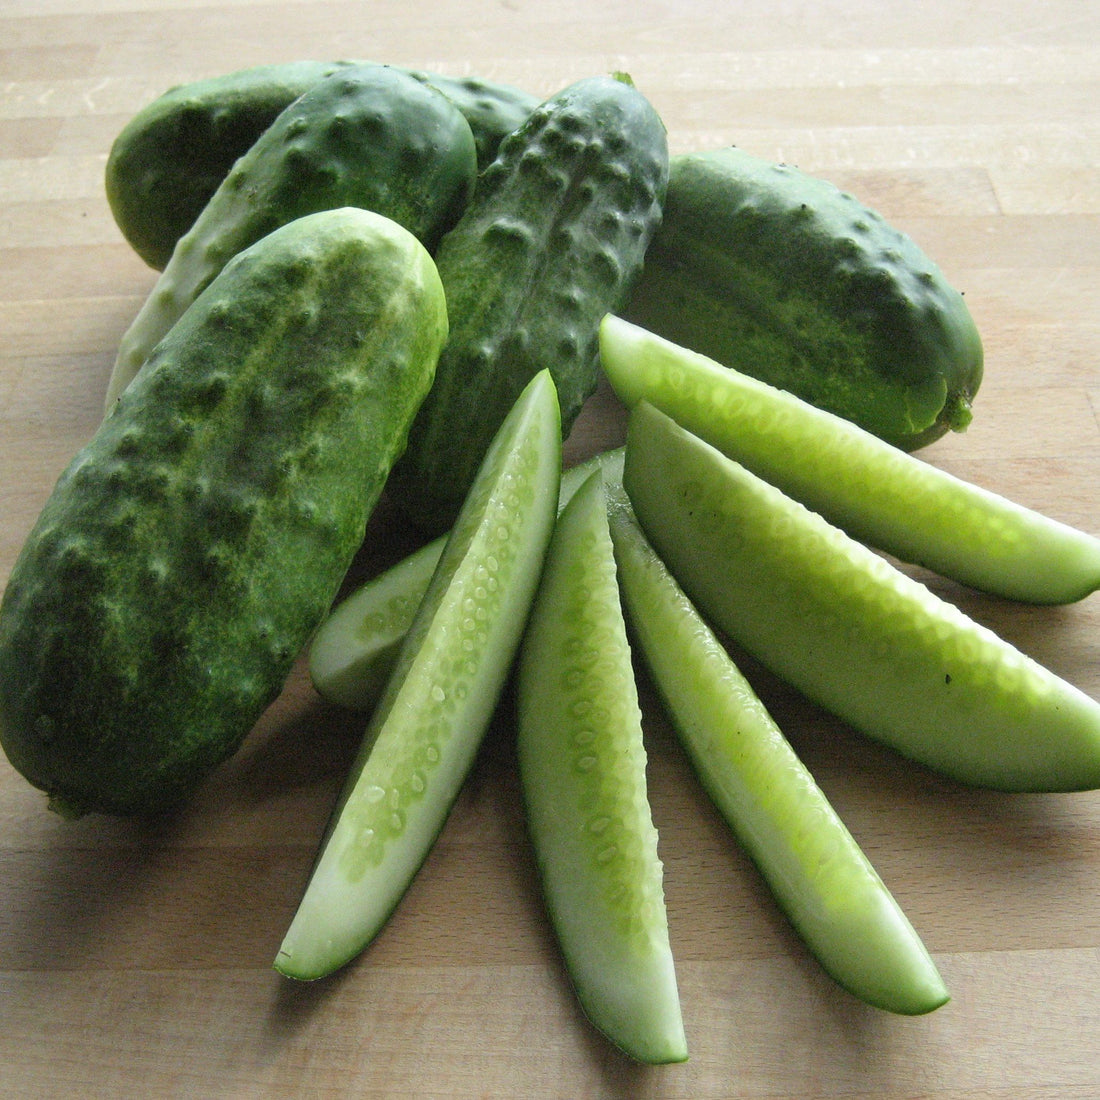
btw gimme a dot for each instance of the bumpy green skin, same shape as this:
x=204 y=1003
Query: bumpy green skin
x=193 y=545
x=788 y=279
x=552 y=240
x=174 y=153
x=369 y=136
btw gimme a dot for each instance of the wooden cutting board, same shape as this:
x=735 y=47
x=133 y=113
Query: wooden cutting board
x=135 y=960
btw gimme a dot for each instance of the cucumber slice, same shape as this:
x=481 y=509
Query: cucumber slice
x=354 y=650
x=425 y=732
x=582 y=771
x=850 y=630
x=877 y=493
x=819 y=875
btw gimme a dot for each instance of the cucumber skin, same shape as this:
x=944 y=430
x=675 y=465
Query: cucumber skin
x=174 y=153
x=368 y=136
x=783 y=276
x=553 y=239
x=193 y=545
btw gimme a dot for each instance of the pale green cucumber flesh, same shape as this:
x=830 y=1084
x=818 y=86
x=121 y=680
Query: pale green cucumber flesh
x=423 y=736
x=582 y=770
x=850 y=630
x=876 y=492
x=818 y=873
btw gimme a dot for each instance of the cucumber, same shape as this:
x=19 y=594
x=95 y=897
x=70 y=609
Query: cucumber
x=191 y=548
x=353 y=652
x=786 y=278
x=819 y=875
x=848 y=629
x=552 y=239
x=876 y=492
x=174 y=153
x=367 y=136
x=423 y=736
x=582 y=772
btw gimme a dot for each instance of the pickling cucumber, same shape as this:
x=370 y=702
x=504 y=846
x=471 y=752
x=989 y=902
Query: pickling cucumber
x=368 y=136
x=174 y=153
x=422 y=737
x=552 y=239
x=819 y=875
x=786 y=278
x=191 y=548
x=876 y=492
x=850 y=630
x=582 y=772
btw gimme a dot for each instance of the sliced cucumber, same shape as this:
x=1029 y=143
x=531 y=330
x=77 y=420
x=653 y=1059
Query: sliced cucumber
x=354 y=650
x=582 y=770
x=877 y=493
x=850 y=630
x=424 y=734
x=818 y=873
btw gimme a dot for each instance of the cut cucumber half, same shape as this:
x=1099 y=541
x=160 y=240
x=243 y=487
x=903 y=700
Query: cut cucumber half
x=582 y=771
x=848 y=629
x=354 y=650
x=877 y=493
x=422 y=738
x=819 y=875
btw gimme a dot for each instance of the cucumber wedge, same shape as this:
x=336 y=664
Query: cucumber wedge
x=848 y=629
x=876 y=492
x=354 y=650
x=582 y=771
x=423 y=736
x=819 y=875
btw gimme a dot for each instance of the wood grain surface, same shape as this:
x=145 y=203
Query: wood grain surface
x=135 y=958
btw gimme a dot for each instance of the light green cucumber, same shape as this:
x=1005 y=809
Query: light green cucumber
x=784 y=277
x=173 y=154
x=353 y=652
x=582 y=771
x=876 y=492
x=192 y=547
x=423 y=736
x=819 y=875
x=368 y=136
x=848 y=629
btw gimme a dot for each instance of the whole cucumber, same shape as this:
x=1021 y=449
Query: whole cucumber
x=552 y=240
x=174 y=153
x=368 y=135
x=786 y=278
x=191 y=548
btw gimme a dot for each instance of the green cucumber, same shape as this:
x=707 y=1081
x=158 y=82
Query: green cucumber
x=174 y=153
x=192 y=547
x=848 y=629
x=552 y=239
x=876 y=492
x=786 y=278
x=582 y=771
x=422 y=738
x=368 y=136
x=353 y=652
x=819 y=875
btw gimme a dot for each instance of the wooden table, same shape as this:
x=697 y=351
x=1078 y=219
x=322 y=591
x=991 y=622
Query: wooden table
x=135 y=960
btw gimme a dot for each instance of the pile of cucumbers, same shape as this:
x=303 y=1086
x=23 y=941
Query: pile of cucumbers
x=374 y=279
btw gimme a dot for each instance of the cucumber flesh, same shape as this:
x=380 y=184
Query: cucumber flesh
x=422 y=738
x=848 y=629
x=876 y=492
x=819 y=875
x=582 y=772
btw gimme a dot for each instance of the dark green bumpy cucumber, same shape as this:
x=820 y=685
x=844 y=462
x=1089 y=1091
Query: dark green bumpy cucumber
x=553 y=238
x=786 y=278
x=191 y=548
x=174 y=153
x=369 y=136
